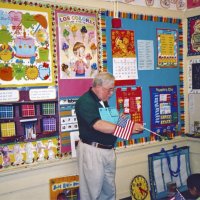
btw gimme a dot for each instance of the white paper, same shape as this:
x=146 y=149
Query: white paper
x=9 y=96
x=74 y=137
x=145 y=55
x=125 y=68
x=158 y=176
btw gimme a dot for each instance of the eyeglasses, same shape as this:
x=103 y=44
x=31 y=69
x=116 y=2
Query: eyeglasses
x=109 y=90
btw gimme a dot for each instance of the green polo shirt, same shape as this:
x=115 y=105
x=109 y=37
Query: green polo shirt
x=87 y=112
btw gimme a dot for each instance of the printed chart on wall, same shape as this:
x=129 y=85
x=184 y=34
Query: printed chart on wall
x=167 y=48
x=129 y=101
x=25 y=46
x=77 y=53
x=164 y=110
x=69 y=134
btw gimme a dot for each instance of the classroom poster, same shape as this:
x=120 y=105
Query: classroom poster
x=124 y=55
x=64 y=188
x=25 y=46
x=145 y=54
x=28 y=114
x=167 y=48
x=194 y=35
x=77 y=44
x=129 y=101
x=28 y=95
x=68 y=124
x=194 y=76
x=164 y=110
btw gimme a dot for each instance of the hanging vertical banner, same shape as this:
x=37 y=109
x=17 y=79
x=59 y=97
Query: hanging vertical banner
x=194 y=35
x=25 y=46
x=164 y=110
x=124 y=57
x=78 y=49
x=129 y=101
x=167 y=48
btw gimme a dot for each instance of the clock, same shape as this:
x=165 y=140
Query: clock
x=139 y=188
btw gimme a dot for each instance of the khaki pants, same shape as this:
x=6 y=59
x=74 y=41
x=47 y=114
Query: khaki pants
x=96 y=172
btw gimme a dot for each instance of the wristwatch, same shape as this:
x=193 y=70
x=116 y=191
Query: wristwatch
x=139 y=187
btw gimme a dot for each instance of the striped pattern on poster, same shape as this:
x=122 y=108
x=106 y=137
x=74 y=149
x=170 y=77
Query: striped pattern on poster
x=124 y=128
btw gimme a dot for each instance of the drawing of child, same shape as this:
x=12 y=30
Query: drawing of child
x=80 y=64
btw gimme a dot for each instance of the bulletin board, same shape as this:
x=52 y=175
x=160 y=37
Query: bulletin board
x=29 y=121
x=39 y=86
x=146 y=30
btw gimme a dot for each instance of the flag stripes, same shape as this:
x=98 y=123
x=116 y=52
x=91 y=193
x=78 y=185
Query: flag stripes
x=124 y=128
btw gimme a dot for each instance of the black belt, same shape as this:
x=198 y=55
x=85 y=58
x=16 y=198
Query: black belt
x=98 y=145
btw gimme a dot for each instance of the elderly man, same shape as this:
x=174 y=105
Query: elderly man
x=96 y=156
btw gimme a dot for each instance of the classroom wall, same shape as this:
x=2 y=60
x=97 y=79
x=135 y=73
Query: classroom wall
x=32 y=182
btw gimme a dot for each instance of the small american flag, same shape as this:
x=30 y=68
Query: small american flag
x=178 y=196
x=124 y=128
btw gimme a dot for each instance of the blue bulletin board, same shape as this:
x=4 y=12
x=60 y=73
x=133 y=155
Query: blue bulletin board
x=145 y=28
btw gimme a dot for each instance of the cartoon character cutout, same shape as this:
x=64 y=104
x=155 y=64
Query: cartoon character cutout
x=29 y=149
x=40 y=150
x=4 y=151
x=50 y=148
x=17 y=151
